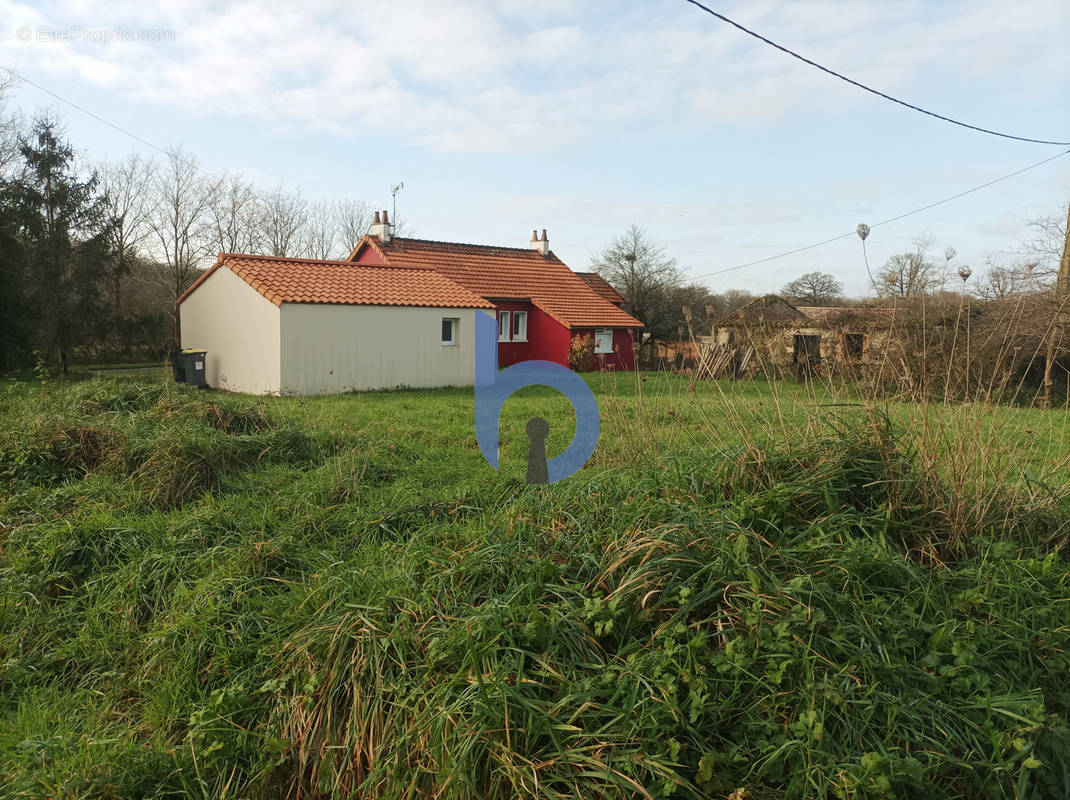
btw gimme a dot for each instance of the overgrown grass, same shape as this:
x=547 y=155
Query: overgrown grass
x=753 y=586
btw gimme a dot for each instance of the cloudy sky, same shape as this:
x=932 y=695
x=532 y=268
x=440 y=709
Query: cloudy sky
x=582 y=116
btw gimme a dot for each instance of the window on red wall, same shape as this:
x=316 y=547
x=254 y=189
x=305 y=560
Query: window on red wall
x=503 y=326
x=603 y=340
x=520 y=326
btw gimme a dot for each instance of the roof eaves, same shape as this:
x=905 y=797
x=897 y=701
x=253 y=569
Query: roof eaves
x=386 y=304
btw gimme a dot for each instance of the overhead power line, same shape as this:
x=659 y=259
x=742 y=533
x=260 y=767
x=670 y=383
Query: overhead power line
x=706 y=275
x=85 y=111
x=882 y=222
x=863 y=86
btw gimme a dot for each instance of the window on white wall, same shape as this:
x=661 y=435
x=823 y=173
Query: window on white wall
x=520 y=326
x=449 y=330
x=603 y=340
x=503 y=326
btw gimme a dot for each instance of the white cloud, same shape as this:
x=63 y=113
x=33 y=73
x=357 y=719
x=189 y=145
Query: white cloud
x=521 y=75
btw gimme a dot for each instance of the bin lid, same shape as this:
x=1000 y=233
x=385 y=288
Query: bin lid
x=194 y=350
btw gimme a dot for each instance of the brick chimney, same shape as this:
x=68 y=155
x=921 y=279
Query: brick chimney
x=381 y=226
x=542 y=245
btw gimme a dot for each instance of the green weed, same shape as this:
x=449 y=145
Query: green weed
x=757 y=587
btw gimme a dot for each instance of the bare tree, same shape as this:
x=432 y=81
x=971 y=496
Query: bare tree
x=321 y=231
x=1002 y=281
x=1034 y=268
x=914 y=272
x=180 y=222
x=127 y=193
x=637 y=268
x=647 y=277
x=235 y=215
x=11 y=124
x=400 y=226
x=353 y=218
x=814 y=289
x=731 y=299
x=1044 y=246
x=283 y=216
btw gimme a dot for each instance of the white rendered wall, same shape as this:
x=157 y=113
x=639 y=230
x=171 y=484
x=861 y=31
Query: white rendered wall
x=330 y=348
x=240 y=330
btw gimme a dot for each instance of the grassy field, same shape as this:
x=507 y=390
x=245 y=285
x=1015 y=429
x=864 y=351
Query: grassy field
x=752 y=591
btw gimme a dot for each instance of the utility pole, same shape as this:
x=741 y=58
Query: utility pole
x=1060 y=321
x=1062 y=283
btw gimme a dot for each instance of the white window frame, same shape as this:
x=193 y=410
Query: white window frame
x=598 y=334
x=455 y=324
x=504 y=323
x=520 y=326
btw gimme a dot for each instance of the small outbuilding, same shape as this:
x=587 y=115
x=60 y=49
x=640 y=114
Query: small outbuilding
x=276 y=325
x=771 y=336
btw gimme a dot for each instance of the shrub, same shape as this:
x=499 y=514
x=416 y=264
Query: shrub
x=581 y=353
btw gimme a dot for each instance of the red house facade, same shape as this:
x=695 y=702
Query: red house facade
x=542 y=305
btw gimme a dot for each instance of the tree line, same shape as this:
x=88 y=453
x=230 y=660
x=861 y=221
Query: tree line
x=93 y=256
x=657 y=293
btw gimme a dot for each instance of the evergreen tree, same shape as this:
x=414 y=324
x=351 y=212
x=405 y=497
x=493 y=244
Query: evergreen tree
x=61 y=225
x=14 y=349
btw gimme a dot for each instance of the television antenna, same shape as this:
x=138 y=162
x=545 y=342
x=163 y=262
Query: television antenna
x=394 y=191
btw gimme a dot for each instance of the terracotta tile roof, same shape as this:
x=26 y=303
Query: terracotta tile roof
x=601 y=286
x=304 y=280
x=507 y=273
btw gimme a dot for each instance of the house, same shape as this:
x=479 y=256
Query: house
x=920 y=347
x=397 y=312
x=302 y=326
x=542 y=305
x=770 y=334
